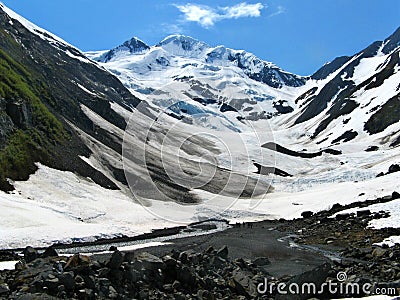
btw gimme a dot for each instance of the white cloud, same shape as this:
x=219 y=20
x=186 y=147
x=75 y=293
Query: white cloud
x=243 y=10
x=207 y=16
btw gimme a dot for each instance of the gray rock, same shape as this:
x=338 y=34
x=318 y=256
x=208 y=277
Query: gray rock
x=307 y=214
x=343 y=216
x=205 y=295
x=52 y=284
x=223 y=252
x=317 y=276
x=150 y=262
x=243 y=284
x=116 y=260
x=86 y=294
x=261 y=261
x=67 y=280
x=132 y=275
x=363 y=213
x=379 y=252
x=186 y=276
x=21 y=265
x=176 y=285
x=30 y=254
x=217 y=261
x=183 y=257
x=210 y=250
x=129 y=256
x=4 y=288
x=49 y=252
x=112 y=293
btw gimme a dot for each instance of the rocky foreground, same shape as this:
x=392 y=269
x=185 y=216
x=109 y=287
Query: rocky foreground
x=338 y=250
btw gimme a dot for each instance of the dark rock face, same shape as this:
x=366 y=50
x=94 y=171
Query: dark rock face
x=18 y=112
x=392 y=42
x=330 y=67
x=50 y=73
x=282 y=107
x=387 y=115
x=340 y=90
x=134 y=45
x=268 y=73
x=394 y=168
x=345 y=137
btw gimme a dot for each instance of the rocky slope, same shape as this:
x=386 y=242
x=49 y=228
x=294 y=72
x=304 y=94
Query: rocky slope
x=45 y=84
x=355 y=97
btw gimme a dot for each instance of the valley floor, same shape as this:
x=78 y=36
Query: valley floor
x=60 y=207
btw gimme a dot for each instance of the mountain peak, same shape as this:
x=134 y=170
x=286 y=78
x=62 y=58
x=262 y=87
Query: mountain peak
x=136 y=45
x=132 y=46
x=183 y=45
x=392 y=42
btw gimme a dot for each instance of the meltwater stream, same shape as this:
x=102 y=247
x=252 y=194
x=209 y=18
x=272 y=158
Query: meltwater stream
x=198 y=229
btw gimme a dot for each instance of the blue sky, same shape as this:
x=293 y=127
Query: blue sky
x=299 y=36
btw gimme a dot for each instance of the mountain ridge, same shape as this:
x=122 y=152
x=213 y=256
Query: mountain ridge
x=186 y=46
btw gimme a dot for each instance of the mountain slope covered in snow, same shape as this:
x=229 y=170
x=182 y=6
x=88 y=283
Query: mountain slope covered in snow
x=181 y=131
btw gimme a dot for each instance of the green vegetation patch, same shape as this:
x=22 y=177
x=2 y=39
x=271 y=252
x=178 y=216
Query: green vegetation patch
x=25 y=146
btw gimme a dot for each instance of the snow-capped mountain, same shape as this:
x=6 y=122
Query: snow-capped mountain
x=85 y=137
x=334 y=105
x=218 y=78
x=354 y=98
x=187 y=47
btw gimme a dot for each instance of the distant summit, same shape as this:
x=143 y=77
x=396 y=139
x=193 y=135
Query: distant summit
x=132 y=46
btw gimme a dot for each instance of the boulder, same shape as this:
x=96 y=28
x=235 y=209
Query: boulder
x=67 y=280
x=49 y=252
x=183 y=257
x=52 y=284
x=317 y=276
x=223 y=252
x=78 y=260
x=132 y=275
x=343 y=216
x=205 y=295
x=113 y=248
x=394 y=168
x=363 y=213
x=30 y=254
x=186 y=276
x=243 y=284
x=19 y=113
x=217 y=261
x=150 y=262
x=395 y=195
x=4 y=289
x=129 y=256
x=307 y=214
x=261 y=261
x=116 y=260
x=379 y=252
